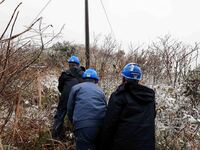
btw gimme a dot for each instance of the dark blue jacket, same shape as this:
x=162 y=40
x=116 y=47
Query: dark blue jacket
x=86 y=105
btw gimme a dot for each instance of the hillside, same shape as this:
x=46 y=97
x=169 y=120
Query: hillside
x=30 y=65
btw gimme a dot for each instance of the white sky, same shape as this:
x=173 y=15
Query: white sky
x=137 y=21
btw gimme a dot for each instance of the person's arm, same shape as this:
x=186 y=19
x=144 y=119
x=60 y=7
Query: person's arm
x=61 y=82
x=115 y=107
x=155 y=106
x=105 y=100
x=71 y=104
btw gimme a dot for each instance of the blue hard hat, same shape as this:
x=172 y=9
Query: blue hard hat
x=132 y=71
x=74 y=59
x=90 y=73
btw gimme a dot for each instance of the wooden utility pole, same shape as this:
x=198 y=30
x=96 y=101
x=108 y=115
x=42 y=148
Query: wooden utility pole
x=87 y=36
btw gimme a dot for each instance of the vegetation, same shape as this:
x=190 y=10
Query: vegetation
x=28 y=92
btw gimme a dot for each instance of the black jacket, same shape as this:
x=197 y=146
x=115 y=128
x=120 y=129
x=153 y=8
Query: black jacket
x=130 y=119
x=69 y=75
x=67 y=80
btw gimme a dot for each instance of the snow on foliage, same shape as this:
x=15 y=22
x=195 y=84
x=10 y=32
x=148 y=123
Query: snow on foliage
x=50 y=82
x=177 y=120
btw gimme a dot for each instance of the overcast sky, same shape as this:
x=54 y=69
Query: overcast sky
x=137 y=21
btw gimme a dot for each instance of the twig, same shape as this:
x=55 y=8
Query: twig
x=196 y=130
x=20 y=70
x=10 y=20
x=55 y=36
x=14 y=53
x=40 y=32
x=2 y=2
x=15 y=36
x=7 y=118
x=59 y=142
x=1 y=146
x=8 y=47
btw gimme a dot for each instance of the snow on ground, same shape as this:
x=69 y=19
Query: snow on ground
x=173 y=108
x=169 y=100
x=50 y=82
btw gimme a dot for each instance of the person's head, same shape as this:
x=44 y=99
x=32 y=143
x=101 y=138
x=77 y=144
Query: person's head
x=131 y=73
x=73 y=61
x=77 y=72
x=90 y=75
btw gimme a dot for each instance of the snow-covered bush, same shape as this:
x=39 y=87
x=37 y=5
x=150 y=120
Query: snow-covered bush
x=177 y=121
x=192 y=86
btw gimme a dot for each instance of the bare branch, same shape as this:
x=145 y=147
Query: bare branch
x=2 y=2
x=8 y=47
x=41 y=36
x=15 y=51
x=10 y=21
x=55 y=36
x=17 y=35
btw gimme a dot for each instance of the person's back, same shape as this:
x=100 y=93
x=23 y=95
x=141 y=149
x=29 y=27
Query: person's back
x=130 y=119
x=66 y=81
x=86 y=110
x=90 y=105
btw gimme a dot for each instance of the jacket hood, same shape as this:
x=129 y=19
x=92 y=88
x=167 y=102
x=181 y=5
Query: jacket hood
x=75 y=72
x=141 y=93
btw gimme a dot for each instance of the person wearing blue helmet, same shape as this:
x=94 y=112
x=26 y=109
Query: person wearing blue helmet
x=130 y=118
x=74 y=60
x=132 y=71
x=66 y=81
x=86 y=109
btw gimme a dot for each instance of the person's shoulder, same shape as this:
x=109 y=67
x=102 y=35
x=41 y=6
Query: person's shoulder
x=77 y=86
x=146 y=88
x=120 y=89
x=76 y=72
x=91 y=86
x=65 y=73
x=99 y=89
x=88 y=85
x=118 y=93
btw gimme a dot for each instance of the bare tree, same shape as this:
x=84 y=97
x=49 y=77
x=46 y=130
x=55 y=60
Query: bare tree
x=176 y=57
x=18 y=56
x=103 y=55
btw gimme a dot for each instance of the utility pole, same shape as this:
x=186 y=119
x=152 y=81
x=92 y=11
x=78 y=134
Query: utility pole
x=87 y=36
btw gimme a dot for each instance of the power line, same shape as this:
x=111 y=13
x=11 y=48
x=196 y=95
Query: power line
x=111 y=28
x=45 y=6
